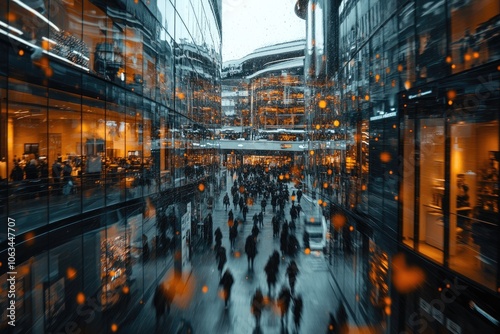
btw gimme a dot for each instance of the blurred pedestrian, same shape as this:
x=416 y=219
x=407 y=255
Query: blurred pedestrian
x=225 y=201
x=218 y=239
x=226 y=282
x=160 y=301
x=292 y=271
x=221 y=258
x=297 y=311
x=284 y=299
x=250 y=250
x=271 y=269
x=233 y=233
x=257 y=306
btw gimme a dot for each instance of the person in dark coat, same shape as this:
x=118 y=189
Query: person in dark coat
x=261 y=219
x=276 y=227
x=221 y=259
x=225 y=201
x=245 y=212
x=17 y=173
x=31 y=170
x=226 y=282
x=257 y=306
x=292 y=271
x=271 y=269
x=233 y=233
x=159 y=301
x=250 y=250
x=218 y=238
x=299 y=195
x=284 y=299
x=298 y=305
x=255 y=232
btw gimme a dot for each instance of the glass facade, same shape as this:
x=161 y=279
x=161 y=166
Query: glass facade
x=414 y=105
x=104 y=104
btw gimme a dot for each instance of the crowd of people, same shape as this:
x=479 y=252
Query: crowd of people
x=257 y=186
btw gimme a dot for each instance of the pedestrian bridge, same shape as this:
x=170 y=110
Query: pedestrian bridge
x=267 y=145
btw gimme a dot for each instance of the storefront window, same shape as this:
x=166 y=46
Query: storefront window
x=474 y=40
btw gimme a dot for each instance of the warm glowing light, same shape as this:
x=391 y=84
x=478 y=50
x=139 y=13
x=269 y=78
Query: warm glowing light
x=385 y=157
x=363 y=187
x=353 y=98
x=338 y=220
x=450 y=102
x=80 y=298
x=281 y=177
x=237 y=254
x=388 y=310
x=241 y=189
x=318 y=127
x=311 y=152
x=448 y=285
x=336 y=123
x=388 y=70
x=367 y=97
x=325 y=185
x=351 y=228
x=377 y=77
x=71 y=273
x=322 y=104
x=453 y=66
x=387 y=301
x=448 y=59
x=394 y=126
x=400 y=68
x=126 y=290
x=390 y=172
x=307 y=251
x=29 y=238
x=329 y=171
x=181 y=96
x=201 y=187
x=407 y=84
x=204 y=289
x=114 y=327
x=319 y=202
x=451 y=94
x=467 y=57
x=406 y=278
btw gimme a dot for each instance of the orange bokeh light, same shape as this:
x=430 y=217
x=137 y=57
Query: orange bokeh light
x=322 y=104
x=307 y=251
x=338 y=220
x=71 y=273
x=385 y=157
x=204 y=289
x=80 y=298
x=406 y=278
x=201 y=187
x=114 y=327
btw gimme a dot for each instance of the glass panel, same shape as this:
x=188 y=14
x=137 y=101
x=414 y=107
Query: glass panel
x=473 y=37
x=431 y=40
x=474 y=193
x=28 y=144
x=431 y=233
x=407 y=192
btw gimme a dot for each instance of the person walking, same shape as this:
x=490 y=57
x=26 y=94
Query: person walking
x=226 y=282
x=292 y=271
x=225 y=201
x=159 y=301
x=221 y=258
x=250 y=250
x=299 y=195
x=233 y=233
x=271 y=269
x=284 y=299
x=257 y=306
x=218 y=239
x=297 y=311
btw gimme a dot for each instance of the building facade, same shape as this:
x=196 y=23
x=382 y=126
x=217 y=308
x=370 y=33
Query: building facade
x=102 y=104
x=265 y=89
x=413 y=94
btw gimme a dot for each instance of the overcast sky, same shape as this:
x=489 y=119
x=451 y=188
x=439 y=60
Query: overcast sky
x=250 y=24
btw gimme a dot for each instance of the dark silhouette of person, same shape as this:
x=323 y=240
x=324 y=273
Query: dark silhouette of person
x=299 y=195
x=257 y=306
x=284 y=299
x=292 y=271
x=221 y=259
x=233 y=233
x=297 y=311
x=250 y=250
x=271 y=269
x=225 y=201
x=17 y=173
x=332 y=324
x=160 y=301
x=218 y=238
x=227 y=282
